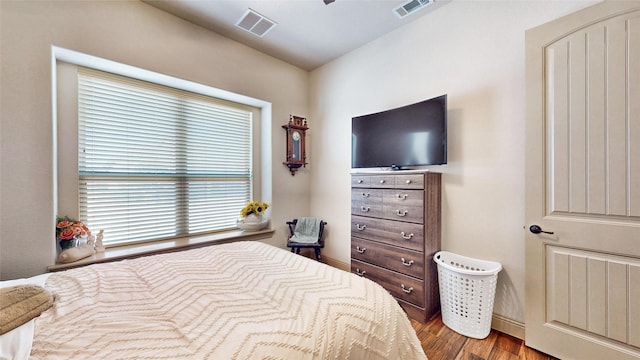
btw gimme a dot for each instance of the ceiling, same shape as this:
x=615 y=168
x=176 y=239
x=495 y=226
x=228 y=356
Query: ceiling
x=308 y=33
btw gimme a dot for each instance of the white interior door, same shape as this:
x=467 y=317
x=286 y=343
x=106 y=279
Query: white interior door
x=583 y=184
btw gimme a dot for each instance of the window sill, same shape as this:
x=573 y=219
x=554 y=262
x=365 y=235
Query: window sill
x=151 y=248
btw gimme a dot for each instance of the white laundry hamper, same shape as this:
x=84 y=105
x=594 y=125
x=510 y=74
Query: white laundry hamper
x=467 y=292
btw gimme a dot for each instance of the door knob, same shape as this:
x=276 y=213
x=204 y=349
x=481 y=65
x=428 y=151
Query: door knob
x=537 y=230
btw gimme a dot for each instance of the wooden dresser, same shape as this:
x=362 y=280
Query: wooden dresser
x=395 y=231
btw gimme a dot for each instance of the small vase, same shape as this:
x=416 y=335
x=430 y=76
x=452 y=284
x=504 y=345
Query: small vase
x=253 y=219
x=68 y=244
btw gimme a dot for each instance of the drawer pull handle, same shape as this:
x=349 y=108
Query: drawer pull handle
x=408 y=291
x=361 y=227
x=405 y=236
x=365 y=195
x=359 y=181
x=360 y=273
x=365 y=208
x=382 y=181
x=401 y=197
x=403 y=213
x=406 y=263
x=361 y=250
x=408 y=182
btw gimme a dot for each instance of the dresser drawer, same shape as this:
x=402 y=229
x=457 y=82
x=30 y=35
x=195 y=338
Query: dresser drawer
x=401 y=286
x=383 y=181
x=407 y=235
x=402 y=197
x=358 y=181
x=414 y=214
x=409 y=181
x=366 y=195
x=404 y=261
x=367 y=209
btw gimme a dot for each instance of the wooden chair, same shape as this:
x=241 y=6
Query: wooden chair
x=295 y=246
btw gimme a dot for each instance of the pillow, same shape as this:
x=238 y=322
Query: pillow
x=22 y=303
x=17 y=343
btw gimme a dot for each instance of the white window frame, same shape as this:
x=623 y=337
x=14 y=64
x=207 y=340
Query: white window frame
x=65 y=181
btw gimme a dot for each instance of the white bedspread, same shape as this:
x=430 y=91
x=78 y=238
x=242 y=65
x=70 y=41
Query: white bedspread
x=243 y=300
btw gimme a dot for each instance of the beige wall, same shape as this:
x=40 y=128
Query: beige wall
x=474 y=52
x=135 y=34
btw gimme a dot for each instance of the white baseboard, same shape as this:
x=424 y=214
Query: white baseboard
x=508 y=326
x=336 y=263
x=325 y=259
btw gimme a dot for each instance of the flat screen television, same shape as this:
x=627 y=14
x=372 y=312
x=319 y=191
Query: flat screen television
x=411 y=135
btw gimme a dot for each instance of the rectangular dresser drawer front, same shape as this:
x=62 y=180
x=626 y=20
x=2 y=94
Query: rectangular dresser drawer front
x=358 y=181
x=401 y=286
x=383 y=181
x=402 y=197
x=390 y=257
x=367 y=209
x=407 y=235
x=412 y=214
x=410 y=181
x=366 y=195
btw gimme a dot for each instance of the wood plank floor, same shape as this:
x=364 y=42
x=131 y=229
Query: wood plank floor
x=441 y=343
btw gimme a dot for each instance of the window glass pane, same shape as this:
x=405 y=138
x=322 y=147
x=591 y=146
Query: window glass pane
x=156 y=162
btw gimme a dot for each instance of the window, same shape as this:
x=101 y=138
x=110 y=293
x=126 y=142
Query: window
x=156 y=162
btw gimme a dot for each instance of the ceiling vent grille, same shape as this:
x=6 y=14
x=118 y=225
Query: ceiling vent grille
x=255 y=23
x=411 y=7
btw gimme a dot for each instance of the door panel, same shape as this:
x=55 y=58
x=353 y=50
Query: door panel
x=591 y=129
x=592 y=292
x=583 y=184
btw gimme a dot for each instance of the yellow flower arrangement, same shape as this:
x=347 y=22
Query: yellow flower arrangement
x=254 y=207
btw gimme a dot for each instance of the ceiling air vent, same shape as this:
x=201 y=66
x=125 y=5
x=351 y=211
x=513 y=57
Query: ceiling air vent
x=411 y=7
x=255 y=23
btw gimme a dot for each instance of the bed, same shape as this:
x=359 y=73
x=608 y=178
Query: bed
x=242 y=300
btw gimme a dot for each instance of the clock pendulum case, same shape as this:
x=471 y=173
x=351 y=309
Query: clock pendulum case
x=296 y=155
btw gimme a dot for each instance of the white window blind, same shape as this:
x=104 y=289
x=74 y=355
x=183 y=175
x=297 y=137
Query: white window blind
x=155 y=162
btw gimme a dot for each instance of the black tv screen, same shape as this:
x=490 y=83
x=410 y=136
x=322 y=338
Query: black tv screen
x=412 y=135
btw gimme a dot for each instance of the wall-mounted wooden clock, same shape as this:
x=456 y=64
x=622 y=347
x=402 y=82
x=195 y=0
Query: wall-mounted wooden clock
x=296 y=155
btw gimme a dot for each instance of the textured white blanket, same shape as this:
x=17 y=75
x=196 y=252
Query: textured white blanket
x=244 y=300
